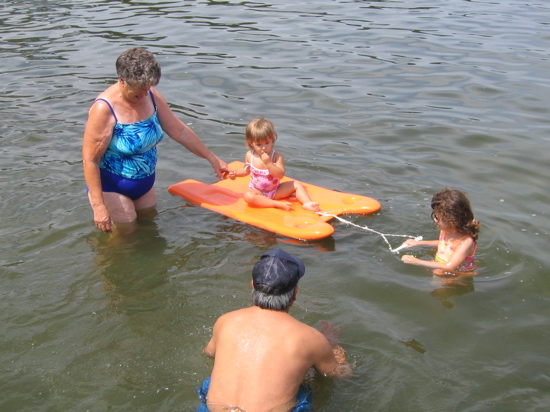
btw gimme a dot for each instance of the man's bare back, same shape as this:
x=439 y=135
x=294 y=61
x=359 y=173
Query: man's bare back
x=261 y=355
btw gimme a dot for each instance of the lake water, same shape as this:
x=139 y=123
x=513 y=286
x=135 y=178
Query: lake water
x=389 y=99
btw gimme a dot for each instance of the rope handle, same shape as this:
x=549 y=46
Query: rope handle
x=397 y=249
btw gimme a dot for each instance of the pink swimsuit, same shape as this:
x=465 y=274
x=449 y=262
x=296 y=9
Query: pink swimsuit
x=262 y=179
x=444 y=253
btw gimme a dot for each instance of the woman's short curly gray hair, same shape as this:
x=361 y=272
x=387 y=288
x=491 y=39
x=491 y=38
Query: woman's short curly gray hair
x=138 y=67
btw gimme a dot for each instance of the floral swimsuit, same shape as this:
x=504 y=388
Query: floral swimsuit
x=262 y=179
x=128 y=165
x=445 y=251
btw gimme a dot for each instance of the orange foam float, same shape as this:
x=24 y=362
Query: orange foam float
x=226 y=197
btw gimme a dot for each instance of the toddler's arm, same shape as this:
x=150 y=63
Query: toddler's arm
x=241 y=172
x=276 y=168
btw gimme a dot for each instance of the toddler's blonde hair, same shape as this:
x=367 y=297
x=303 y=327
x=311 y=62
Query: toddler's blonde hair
x=259 y=130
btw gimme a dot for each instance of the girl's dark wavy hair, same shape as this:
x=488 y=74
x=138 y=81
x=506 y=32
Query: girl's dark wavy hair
x=453 y=207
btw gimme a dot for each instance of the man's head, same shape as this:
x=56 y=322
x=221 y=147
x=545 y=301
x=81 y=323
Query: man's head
x=275 y=278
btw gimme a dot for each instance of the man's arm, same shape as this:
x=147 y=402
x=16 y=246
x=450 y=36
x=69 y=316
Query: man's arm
x=331 y=361
x=343 y=369
x=210 y=348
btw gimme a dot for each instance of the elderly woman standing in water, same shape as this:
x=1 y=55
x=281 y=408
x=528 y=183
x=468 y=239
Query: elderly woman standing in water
x=119 y=152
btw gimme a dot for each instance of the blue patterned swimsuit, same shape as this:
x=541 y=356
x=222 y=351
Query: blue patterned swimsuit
x=128 y=165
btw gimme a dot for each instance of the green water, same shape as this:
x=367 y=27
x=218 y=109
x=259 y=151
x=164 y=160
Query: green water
x=393 y=100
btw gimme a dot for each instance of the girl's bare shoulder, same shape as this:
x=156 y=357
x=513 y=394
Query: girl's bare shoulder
x=277 y=156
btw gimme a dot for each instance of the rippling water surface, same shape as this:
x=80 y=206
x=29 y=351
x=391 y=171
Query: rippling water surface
x=391 y=99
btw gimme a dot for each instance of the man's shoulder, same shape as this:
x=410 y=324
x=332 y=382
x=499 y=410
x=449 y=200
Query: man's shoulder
x=297 y=331
x=282 y=321
x=311 y=332
x=236 y=314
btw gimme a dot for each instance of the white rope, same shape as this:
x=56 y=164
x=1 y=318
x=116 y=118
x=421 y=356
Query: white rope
x=397 y=249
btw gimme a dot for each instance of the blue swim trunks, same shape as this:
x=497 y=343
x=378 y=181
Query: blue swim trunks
x=304 y=398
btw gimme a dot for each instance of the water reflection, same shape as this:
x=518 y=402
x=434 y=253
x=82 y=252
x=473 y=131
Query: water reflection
x=255 y=236
x=327 y=244
x=448 y=287
x=132 y=265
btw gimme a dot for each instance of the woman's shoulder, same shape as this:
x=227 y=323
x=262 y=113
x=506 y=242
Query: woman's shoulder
x=159 y=98
x=102 y=106
x=109 y=93
x=105 y=100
